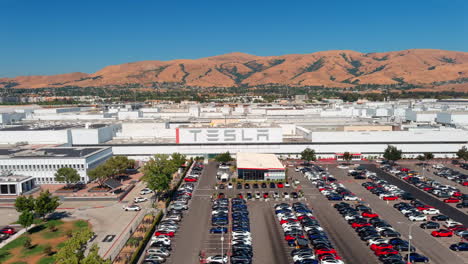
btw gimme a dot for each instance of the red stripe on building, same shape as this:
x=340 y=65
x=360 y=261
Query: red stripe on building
x=177 y=136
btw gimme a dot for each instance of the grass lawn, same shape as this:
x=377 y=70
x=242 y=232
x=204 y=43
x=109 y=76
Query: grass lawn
x=46 y=260
x=41 y=236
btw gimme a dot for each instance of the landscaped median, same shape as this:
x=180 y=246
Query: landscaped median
x=40 y=243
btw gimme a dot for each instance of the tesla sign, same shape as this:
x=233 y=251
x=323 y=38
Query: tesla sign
x=228 y=135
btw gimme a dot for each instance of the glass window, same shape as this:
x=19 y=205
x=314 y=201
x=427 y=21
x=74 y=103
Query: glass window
x=12 y=189
x=3 y=189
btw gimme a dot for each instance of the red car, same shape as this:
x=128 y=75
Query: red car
x=428 y=189
x=451 y=200
x=457 y=228
x=425 y=207
x=280 y=185
x=369 y=214
x=387 y=251
x=465 y=183
x=370 y=187
x=190 y=179
x=382 y=246
x=390 y=198
x=325 y=250
x=290 y=220
x=405 y=169
x=457 y=194
x=240 y=196
x=164 y=233
x=8 y=230
x=289 y=237
x=265 y=195
x=356 y=225
x=442 y=233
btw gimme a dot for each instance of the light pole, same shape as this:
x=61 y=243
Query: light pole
x=222 y=246
x=409 y=238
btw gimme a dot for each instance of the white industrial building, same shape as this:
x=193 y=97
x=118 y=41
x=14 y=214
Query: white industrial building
x=453 y=118
x=43 y=163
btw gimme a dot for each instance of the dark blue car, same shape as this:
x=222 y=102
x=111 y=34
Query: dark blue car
x=218 y=230
x=461 y=246
x=416 y=257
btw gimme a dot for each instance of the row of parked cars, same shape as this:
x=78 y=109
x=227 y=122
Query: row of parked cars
x=381 y=237
x=416 y=210
x=448 y=193
x=160 y=245
x=453 y=175
x=300 y=229
x=241 y=238
x=195 y=172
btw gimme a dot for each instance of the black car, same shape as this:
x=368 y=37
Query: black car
x=264 y=185
x=246 y=186
x=272 y=185
x=239 y=186
x=430 y=225
x=440 y=218
x=255 y=185
x=294 y=195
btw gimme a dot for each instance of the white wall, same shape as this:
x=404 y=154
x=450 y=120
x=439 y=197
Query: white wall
x=35 y=136
x=390 y=136
x=231 y=135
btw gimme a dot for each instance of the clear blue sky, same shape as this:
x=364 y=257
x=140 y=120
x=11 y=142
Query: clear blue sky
x=52 y=37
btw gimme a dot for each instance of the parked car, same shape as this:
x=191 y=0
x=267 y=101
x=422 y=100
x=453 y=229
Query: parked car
x=146 y=191
x=132 y=207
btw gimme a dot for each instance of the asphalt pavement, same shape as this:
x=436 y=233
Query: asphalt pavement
x=429 y=246
x=421 y=195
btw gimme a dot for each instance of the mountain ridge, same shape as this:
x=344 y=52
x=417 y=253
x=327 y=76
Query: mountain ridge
x=333 y=68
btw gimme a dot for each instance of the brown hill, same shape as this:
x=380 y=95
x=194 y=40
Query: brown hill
x=340 y=68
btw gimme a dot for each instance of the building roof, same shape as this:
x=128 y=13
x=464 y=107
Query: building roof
x=59 y=152
x=258 y=161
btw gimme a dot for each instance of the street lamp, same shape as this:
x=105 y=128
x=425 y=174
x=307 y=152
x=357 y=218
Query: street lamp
x=409 y=238
x=222 y=246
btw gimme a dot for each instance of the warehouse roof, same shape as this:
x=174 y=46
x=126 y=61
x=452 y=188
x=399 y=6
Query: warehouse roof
x=258 y=161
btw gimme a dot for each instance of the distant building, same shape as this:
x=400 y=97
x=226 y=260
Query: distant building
x=255 y=166
x=16 y=185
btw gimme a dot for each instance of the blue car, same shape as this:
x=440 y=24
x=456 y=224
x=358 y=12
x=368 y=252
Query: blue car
x=416 y=257
x=218 y=230
x=461 y=246
x=334 y=198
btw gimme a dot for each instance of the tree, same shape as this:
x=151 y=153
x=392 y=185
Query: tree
x=224 y=157
x=100 y=174
x=178 y=159
x=157 y=182
x=47 y=250
x=428 y=156
x=68 y=175
x=463 y=153
x=45 y=204
x=158 y=172
x=308 y=155
x=73 y=249
x=24 y=203
x=93 y=257
x=392 y=153
x=347 y=156
x=26 y=219
x=118 y=164
x=27 y=242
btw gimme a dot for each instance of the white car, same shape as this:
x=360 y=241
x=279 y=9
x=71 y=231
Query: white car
x=146 y=191
x=241 y=233
x=350 y=198
x=159 y=252
x=140 y=199
x=342 y=166
x=163 y=239
x=377 y=241
x=156 y=258
x=132 y=207
x=417 y=218
x=297 y=169
x=217 y=259
x=287 y=185
x=286 y=195
x=229 y=186
x=297 y=258
x=351 y=217
x=431 y=211
x=451 y=223
x=331 y=261
x=257 y=196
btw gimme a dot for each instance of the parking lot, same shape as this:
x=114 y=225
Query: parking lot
x=193 y=240
x=435 y=248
